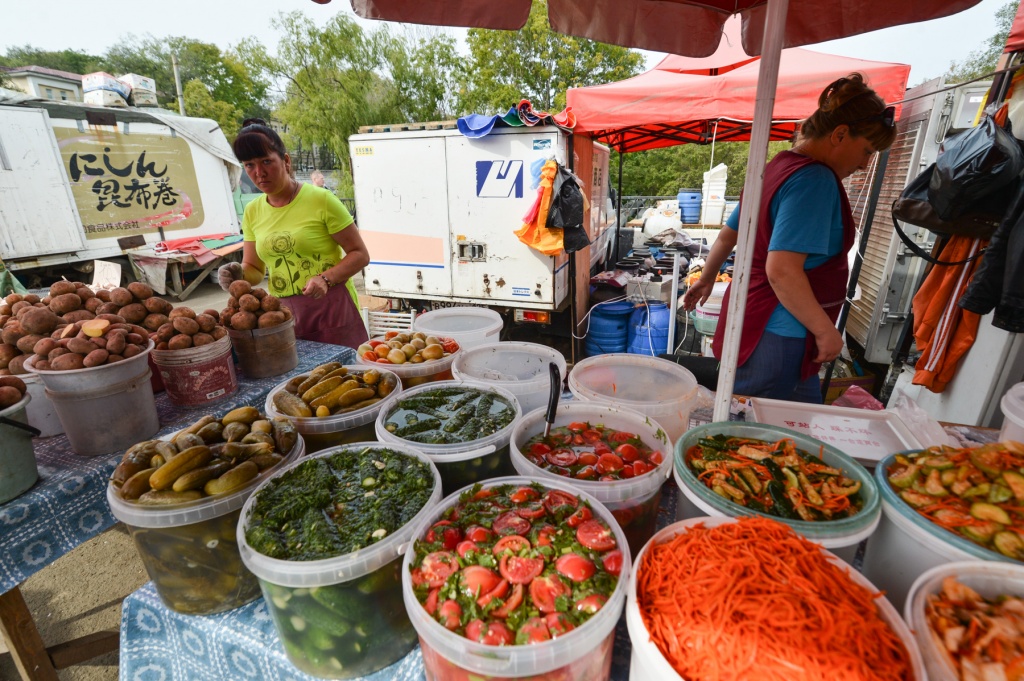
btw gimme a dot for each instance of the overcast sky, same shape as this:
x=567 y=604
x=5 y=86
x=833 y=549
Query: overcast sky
x=58 y=24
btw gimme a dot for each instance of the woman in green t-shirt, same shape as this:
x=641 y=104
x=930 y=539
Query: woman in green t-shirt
x=306 y=237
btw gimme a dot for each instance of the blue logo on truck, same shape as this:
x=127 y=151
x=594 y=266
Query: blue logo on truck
x=499 y=179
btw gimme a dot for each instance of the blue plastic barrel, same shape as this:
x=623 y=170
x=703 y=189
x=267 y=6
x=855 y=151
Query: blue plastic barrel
x=648 y=330
x=609 y=328
x=689 y=205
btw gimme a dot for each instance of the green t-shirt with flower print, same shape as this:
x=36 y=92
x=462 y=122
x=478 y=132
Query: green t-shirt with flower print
x=294 y=241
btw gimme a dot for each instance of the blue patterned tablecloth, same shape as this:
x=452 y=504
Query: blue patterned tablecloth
x=158 y=644
x=68 y=505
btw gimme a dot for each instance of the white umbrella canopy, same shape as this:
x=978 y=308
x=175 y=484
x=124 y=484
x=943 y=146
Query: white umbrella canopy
x=692 y=28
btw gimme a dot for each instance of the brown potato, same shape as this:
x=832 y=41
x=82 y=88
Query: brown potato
x=270 y=304
x=112 y=318
x=39 y=320
x=185 y=325
x=269 y=319
x=64 y=303
x=166 y=332
x=59 y=288
x=249 y=303
x=107 y=308
x=9 y=396
x=115 y=358
x=14 y=382
x=243 y=321
x=96 y=358
x=99 y=341
x=13 y=298
x=239 y=288
x=140 y=290
x=31 y=298
x=93 y=304
x=44 y=346
x=17 y=365
x=19 y=306
x=68 y=362
x=287 y=312
x=104 y=295
x=11 y=332
x=154 y=321
x=206 y=322
x=226 y=314
x=181 y=341
x=259 y=293
x=162 y=345
x=218 y=332
x=116 y=343
x=26 y=343
x=7 y=353
x=138 y=338
x=134 y=313
x=213 y=313
x=182 y=312
x=56 y=352
x=78 y=316
x=121 y=296
x=131 y=350
x=85 y=293
x=80 y=345
x=157 y=305
x=201 y=339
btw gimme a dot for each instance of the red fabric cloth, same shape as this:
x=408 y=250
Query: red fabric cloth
x=331 y=319
x=828 y=280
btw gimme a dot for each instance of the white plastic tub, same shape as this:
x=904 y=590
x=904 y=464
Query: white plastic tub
x=1012 y=405
x=189 y=550
x=369 y=578
x=652 y=386
x=990 y=580
x=416 y=374
x=578 y=655
x=41 y=412
x=634 y=502
x=463 y=463
x=520 y=368
x=649 y=664
x=321 y=432
x=469 y=326
x=839 y=536
x=906 y=544
x=93 y=378
x=17 y=459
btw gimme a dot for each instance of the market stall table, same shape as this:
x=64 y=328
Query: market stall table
x=158 y=643
x=68 y=506
x=163 y=270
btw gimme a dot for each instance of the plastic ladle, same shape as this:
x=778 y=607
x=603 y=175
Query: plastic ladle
x=556 y=392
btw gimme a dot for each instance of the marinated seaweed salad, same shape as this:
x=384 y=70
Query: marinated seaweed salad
x=449 y=416
x=774 y=478
x=333 y=505
x=514 y=565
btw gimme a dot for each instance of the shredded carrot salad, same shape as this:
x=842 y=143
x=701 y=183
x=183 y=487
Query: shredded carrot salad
x=754 y=601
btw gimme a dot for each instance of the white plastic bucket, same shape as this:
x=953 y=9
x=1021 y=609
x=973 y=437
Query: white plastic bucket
x=649 y=664
x=839 y=536
x=1012 y=406
x=652 y=386
x=18 y=470
x=634 y=502
x=41 y=412
x=906 y=544
x=469 y=326
x=93 y=378
x=573 y=656
x=990 y=580
x=520 y=368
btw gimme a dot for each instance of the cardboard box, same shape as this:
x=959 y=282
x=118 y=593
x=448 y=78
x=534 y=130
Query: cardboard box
x=143 y=98
x=837 y=386
x=104 y=98
x=104 y=81
x=137 y=82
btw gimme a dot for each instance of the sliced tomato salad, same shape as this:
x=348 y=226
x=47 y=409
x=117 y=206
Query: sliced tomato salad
x=516 y=578
x=592 y=452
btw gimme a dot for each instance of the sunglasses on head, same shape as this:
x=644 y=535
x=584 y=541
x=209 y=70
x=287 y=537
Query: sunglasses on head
x=249 y=122
x=887 y=117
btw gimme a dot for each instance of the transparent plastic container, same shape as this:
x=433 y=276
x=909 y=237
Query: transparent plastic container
x=652 y=386
x=108 y=418
x=990 y=580
x=368 y=582
x=906 y=544
x=469 y=326
x=190 y=550
x=583 y=654
x=649 y=664
x=463 y=463
x=520 y=368
x=321 y=432
x=633 y=502
x=266 y=352
x=18 y=470
x=840 y=536
x=93 y=378
x=1012 y=406
x=413 y=375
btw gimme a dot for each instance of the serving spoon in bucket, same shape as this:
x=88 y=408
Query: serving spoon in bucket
x=556 y=392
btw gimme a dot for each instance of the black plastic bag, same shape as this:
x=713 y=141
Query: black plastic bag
x=971 y=166
x=566 y=212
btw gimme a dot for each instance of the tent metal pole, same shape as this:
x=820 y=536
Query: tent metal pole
x=767 y=82
x=573 y=309
x=610 y=262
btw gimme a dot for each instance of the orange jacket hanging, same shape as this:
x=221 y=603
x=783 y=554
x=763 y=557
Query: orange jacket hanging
x=534 y=232
x=942 y=330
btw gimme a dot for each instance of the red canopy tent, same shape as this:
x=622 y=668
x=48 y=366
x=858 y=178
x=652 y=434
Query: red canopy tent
x=669 y=105
x=1015 y=41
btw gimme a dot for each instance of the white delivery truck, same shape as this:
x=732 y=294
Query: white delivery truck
x=438 y=212
x=82 y=182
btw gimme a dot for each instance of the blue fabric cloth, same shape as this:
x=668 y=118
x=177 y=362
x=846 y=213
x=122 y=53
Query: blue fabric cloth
x=68 y=506
x=773 y=371
x=806 y=202
x=476 y=125
x=158 y=643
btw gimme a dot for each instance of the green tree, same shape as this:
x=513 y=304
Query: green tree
x=200 y=102
x=983 y=60
x=427 y=75
x=538 y=64
x=72 y=61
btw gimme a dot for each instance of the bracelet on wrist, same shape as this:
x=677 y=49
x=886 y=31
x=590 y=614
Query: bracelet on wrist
x=330 y=284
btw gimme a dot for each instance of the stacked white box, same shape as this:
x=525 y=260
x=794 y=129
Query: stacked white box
x=712 y=206
x=137 y=82
x=104 y=98
x=92 y=82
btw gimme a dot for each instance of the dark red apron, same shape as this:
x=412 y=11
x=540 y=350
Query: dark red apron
x=331 y=319
x=828 y=280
